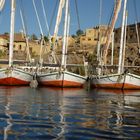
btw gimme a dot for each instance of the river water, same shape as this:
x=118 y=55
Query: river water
x=70 y=114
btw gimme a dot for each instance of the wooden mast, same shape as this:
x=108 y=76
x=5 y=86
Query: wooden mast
x=58 y=20
x=120 y=68
x=110 y=30
x=26 y=37
x=63 y=61
x=42 y=35
x=2 y=2
x=12 y=32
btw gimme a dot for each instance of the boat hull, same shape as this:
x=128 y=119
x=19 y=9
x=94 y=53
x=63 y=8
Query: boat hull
x=116 y=81
x=61 y=79
x=15 y=77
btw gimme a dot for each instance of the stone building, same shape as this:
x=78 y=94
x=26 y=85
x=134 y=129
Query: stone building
x=71 y=43
x=131 y=36
x=91 y=36
x=19 y=44
x=3 y=42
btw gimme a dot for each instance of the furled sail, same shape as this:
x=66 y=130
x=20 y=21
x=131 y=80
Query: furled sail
x=2 y=2
x=111 y=28
x=59 y=15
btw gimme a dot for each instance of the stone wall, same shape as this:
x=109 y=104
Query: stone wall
x=131 y=36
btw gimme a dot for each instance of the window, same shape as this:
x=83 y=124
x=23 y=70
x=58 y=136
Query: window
x=89 y=39
x=20 y=47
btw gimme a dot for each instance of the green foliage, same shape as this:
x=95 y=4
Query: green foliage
x=46 y=38
x=6 y=33
x=33 y=37
x=73 y=36
x=79 y=32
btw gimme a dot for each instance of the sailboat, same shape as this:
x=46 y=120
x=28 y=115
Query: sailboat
x=122 y=79
x=59 y=76
x=12 y=75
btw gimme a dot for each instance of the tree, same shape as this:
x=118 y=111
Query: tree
x=79 y=32
x=73 y=36
x=6 y=33
x=33 y=37
x=46 y=38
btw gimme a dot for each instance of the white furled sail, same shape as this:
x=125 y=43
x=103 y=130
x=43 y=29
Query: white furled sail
x=2 y=2
x=58 y=20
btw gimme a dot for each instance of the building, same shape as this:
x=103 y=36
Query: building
x=91 y=36
x=131 y=35
x=3 y=42
x=71 y=42
x=19 y=44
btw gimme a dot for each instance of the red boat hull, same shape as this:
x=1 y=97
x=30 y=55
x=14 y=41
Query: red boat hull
x=61 y=83
x=13 y=81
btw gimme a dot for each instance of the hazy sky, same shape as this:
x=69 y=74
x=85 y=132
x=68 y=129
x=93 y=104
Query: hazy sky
x=88 y=14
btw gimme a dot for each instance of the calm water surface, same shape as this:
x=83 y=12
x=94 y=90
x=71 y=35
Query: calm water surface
x=71 y=114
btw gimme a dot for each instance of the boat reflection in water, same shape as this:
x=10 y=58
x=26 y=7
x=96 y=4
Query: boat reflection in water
x=52 y=113
x=121 y=110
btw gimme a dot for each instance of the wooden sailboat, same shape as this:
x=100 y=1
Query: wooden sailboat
x=117 y=81
x=12 y=75
x=123 y=79
x=59 y=76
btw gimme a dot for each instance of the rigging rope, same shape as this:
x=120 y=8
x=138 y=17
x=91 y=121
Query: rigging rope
x=53 y=15
x=23 y=14
x=79 y=28
x=37 y=18
x=45 y=17
x=77 y=13
x=25 y=29
x=136 y=23
x=42 y=35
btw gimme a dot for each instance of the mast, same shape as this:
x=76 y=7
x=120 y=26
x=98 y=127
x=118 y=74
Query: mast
x=58 y=20
x=26 y=38
x=63 y=64
x=111 y=28
x=12 y=22
x=41 y=30
x=67 y=37
x=122 y=40
x=59 y=15
x=2 y=3
x=112 y=49
x=99 y=40
x=99 y=33
x=46 y=21
x=124 y=44
x=45 y=17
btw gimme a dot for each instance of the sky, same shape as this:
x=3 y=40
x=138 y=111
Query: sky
x=88 y=15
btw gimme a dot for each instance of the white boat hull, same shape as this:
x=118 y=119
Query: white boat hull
x=116 y=81
x=14 y=76
x=61 y=79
